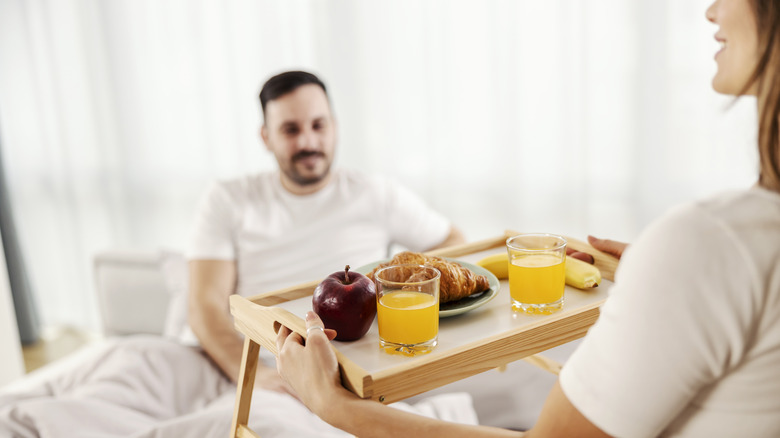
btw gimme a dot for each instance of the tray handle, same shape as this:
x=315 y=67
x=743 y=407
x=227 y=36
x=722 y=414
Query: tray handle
x=262 y=323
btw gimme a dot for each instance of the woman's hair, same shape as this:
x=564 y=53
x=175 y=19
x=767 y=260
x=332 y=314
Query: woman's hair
x=767 y=78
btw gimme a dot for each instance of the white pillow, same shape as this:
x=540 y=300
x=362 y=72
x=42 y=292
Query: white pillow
x=175 y=272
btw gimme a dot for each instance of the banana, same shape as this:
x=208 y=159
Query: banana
x=579 y=274
x=497 y=264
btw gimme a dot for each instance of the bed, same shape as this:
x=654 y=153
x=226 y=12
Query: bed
x=145 y=378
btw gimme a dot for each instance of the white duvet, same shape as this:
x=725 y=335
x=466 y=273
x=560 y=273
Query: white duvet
x=146 y=386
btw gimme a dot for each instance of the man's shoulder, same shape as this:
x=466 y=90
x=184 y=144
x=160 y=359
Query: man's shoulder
x=232 y=193
x=359 y=179
x=245 y=185
x=353 y=175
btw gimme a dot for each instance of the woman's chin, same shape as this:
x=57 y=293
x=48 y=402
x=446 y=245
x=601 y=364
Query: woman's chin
x=731 y=87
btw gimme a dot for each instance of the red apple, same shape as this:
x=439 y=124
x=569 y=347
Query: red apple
x=346 y=302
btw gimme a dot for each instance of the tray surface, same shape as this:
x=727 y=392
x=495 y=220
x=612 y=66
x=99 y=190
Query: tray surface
x=492 y=320
x=463 y=305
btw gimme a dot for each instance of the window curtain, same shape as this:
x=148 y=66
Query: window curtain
x=23 y=298
x=558 y=116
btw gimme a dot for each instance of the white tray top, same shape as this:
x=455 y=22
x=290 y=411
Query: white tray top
x=492 y=319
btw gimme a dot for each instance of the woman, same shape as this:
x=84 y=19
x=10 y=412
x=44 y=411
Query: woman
x=689 y=341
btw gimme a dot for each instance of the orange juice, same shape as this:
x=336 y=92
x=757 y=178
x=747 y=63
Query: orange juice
x=408 y=317
x=537 y=278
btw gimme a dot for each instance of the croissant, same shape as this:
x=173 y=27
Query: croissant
x=456 y=281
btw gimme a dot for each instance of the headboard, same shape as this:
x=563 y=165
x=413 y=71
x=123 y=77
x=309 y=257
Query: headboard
x=131 y=289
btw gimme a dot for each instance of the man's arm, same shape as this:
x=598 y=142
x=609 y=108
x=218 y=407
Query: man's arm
x=211 y=284
x=454 y=238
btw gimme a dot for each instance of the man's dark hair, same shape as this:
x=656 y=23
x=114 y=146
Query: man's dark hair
x=285 y=83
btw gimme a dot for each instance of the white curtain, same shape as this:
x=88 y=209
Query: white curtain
x=563 y=116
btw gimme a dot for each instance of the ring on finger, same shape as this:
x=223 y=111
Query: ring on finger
x=314 y=327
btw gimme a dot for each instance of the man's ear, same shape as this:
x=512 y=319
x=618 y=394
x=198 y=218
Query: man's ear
x=264 y=135
x=336 y=130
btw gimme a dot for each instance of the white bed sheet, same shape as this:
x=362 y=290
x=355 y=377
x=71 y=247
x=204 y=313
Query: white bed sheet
x=150 y=386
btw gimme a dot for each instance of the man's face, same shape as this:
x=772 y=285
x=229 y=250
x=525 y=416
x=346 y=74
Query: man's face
x=300 y=131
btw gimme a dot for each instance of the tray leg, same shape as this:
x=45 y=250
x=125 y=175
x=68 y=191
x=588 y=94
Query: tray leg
x=544 y=363
x=246 y=382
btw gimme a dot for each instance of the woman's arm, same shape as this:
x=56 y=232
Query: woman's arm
x=312 y=370
x=559 y=418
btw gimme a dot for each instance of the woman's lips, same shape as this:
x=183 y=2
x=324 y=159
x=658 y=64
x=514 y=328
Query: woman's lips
x=722 y=43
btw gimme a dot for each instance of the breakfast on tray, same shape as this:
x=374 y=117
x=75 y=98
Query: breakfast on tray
x=411 y=321
x=456 y=281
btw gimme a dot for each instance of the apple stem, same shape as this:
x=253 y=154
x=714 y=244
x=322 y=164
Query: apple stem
x=346 y=274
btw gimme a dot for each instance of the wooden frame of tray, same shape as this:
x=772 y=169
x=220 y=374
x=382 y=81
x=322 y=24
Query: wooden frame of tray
x=258 y=319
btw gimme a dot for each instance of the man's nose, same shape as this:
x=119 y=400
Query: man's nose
x=308 y=140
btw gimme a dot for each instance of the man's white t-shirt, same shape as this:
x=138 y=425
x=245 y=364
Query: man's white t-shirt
x=688 y=343
x=279 y=239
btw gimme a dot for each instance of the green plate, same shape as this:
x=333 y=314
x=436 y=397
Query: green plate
x=463 y=305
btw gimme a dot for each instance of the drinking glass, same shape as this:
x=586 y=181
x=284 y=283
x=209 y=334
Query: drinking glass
x=537 y=272
x=408 y=308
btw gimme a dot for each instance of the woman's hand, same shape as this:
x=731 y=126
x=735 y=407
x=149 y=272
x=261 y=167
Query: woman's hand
x=310 y=367
x=269 y=379
x=611 y=247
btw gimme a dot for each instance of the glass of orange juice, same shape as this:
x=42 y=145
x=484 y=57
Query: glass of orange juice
x=407 y=298
x=537 y=272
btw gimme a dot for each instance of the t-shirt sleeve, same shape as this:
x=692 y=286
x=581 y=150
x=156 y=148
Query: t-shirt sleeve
x=410 y=221
x=676 y=320
x=212 y=235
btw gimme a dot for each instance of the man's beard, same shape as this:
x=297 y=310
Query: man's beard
x=293 y=174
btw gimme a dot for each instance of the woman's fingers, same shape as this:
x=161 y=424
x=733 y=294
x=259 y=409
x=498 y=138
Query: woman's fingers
x=612 y=247
x=281 y=336
x=313 y=320
x=313 y=325
x=585 y=257
x=285 y=337
x=310 y=369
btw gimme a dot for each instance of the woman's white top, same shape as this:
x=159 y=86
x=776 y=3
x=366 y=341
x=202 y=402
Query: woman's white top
x=688 y=343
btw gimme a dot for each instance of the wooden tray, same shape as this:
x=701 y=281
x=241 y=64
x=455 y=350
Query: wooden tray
x=487 y=337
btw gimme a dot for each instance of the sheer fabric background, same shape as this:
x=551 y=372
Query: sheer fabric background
x=559 y=116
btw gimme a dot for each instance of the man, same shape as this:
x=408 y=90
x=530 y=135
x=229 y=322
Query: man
x=300 y=223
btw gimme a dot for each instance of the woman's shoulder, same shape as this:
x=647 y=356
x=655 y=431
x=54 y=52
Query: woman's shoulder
x=751 y=218
x=736 y=206
x=729 y=240
x=732 y=215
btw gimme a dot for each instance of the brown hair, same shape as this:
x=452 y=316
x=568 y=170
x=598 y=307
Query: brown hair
x=285 y=83
x=767 y=78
